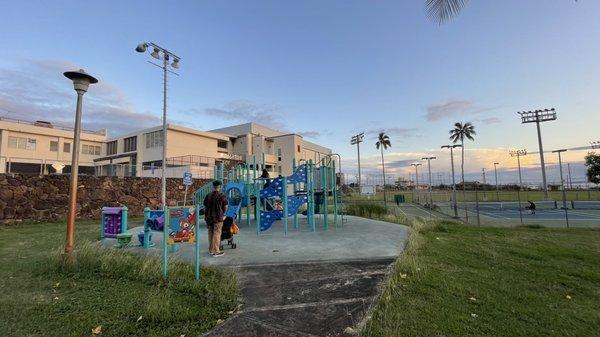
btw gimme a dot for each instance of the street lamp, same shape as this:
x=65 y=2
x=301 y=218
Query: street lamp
x=562 y=184
x=416 y=165
x=496 y=175
x=356 y=140
x=518 y=154
x=595 y=145
x=537 y=117
x=81 y=82
x=454 y=203
x=157 y=52
x=430 y=187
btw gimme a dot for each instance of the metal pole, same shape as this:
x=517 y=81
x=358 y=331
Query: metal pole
x=70 y=241
x=520 y=188
x=539 y=133
x=359 y=177
x=562 y=186
x=496 y=176
x=164 y=130
x=570 y=177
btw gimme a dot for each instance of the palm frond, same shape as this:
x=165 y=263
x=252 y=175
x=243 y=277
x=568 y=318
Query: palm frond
x=444 y=10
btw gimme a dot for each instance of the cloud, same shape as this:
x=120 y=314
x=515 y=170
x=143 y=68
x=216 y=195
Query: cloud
x=36 y=90
x=394 y=131
x=453 y=108
x=247 y=111
x=489 y=120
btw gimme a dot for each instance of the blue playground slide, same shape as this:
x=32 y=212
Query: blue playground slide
x=275 y=189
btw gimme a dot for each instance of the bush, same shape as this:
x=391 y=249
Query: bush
x=367 y=210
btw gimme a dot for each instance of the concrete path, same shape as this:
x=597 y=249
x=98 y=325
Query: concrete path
x=304 y=283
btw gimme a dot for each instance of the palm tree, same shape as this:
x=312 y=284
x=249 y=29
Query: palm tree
x=459 y=133
x=444 y=10
x=383 y=142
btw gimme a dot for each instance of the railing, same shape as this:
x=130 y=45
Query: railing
x=49 y=126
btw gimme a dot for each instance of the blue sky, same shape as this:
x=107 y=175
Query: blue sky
x=328 y=69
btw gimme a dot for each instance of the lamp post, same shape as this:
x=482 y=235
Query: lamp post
x=356 y=140
x=81 y=82
x=430 y=189
x=483 y=188
x=562 y=184
x=157 y=52
x=416 y=165
x=537 y=117
x=518 y=154
x=454 y=203
x=496 y=176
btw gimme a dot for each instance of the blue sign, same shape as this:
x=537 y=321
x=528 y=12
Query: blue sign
x=187 y=178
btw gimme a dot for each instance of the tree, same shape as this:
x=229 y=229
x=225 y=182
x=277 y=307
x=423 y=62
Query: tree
x=444 y=10
x=459 y=133
x=592 y=161
x=383 y=142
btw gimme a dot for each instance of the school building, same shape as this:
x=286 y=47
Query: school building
x=42 y=148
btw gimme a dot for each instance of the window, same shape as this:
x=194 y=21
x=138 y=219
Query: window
x=90 y=149
x=130 y=144
x=53 y=146
x=279 y=154
x=222 y=144
x=154 y=139
x=22 y=143
x=111 y=148
x=298 y=148
x=67 y=147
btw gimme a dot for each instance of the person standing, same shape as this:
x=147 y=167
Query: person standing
x=215 y=206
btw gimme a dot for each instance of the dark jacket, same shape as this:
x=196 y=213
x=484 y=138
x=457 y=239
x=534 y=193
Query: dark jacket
x=215 y=204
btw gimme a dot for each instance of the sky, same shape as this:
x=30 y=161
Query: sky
x=324 y=69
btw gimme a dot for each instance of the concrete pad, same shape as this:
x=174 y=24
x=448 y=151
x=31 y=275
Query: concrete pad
x=356 y=239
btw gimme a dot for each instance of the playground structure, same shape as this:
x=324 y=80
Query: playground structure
x=270 y=199
x=113 y=222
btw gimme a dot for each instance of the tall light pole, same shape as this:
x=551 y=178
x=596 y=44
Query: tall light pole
x=454 y=203
x=518 y=154
x=496 y=176
x=484 y=193
x=537 y=117
x=562 y=184
x=81 y=82
x=356 y=140
x=416 y=165
x=570 y=178
x=430 y=183
x=157 y=53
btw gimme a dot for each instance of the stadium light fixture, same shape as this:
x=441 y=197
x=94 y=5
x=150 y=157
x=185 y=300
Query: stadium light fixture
x=537 y=117
x=562 y=184
x=166 y=56
x=356 y=140
x=454 y=201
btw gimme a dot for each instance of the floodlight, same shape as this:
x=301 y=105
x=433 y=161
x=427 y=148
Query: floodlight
x=155 y=53
x=141 y=47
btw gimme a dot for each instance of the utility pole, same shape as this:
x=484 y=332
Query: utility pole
x=537 y=117
x=356 y=140
x=483 y=188
x=562 y=184
x=570 y=178
x=454 y=203
x=430 y=183
x=496 y=175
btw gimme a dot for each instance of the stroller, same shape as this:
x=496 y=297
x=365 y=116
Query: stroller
x=226 y=233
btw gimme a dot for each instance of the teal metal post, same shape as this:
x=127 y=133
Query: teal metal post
x=285 y=205
x=334 y=193
x=102 y=220
x=257 y=207
x=295 y=191
x=325 y=212
x=197 y=243
x=146 y=229
x=311 y=195
x=124 y=212
x=247 y=184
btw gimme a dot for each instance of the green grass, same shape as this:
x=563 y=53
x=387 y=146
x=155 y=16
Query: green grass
x=456 y=280
x=124 y=293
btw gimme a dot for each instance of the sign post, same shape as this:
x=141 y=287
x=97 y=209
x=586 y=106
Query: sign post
x=187 y=181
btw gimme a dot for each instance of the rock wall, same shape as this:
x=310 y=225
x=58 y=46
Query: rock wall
x=24 y=197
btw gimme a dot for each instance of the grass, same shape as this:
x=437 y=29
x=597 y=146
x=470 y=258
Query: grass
x=456 y=280
x=121 y=292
